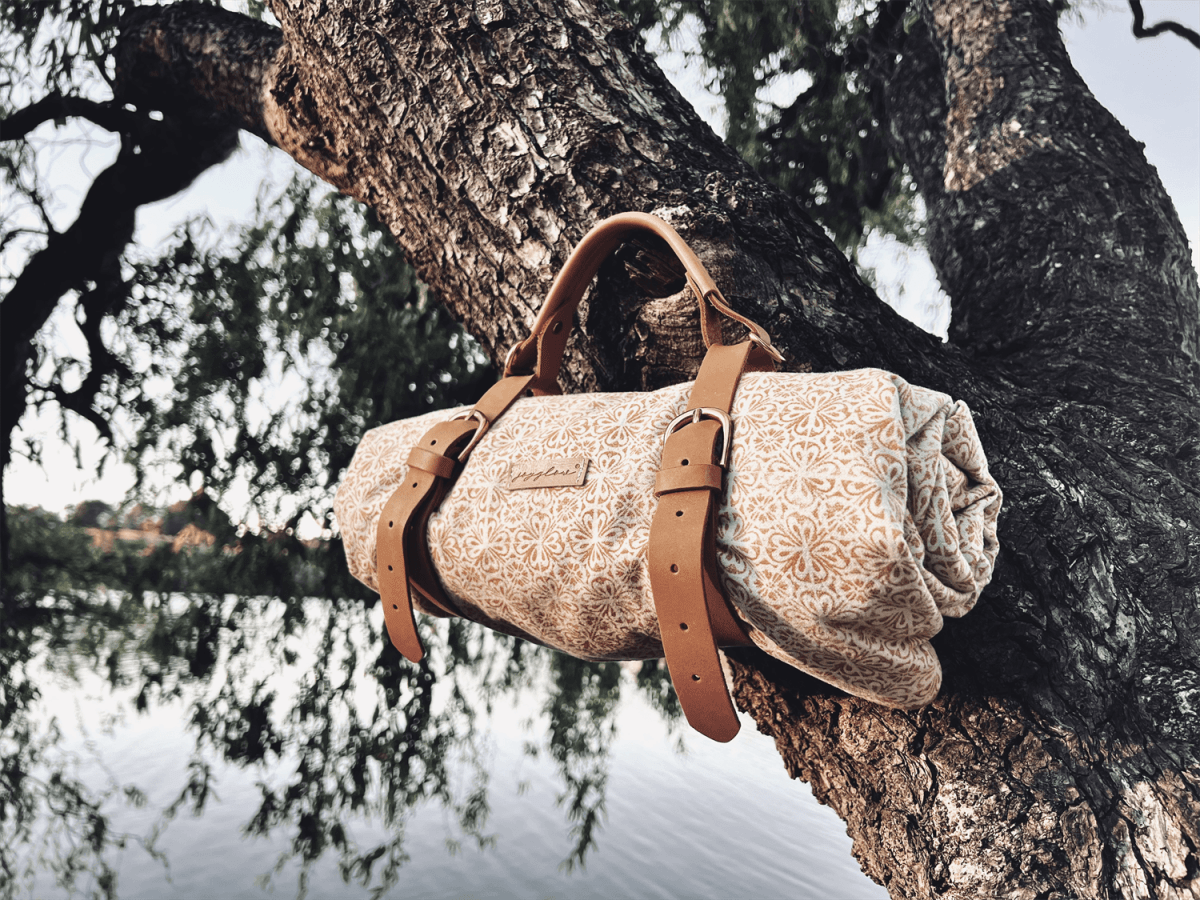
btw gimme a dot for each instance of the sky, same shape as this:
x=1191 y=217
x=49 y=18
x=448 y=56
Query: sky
x=1152 y=86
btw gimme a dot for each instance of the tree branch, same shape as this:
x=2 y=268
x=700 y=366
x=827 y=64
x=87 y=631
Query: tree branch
x=987 y=111
x=202 y=66
x=198 y=61
x=1140 y=31
x=110 y=292
x=166 y=160
x=490 y=136
x=56 y=106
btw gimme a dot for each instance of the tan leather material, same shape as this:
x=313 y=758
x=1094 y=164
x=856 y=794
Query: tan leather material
x=393 y=576
x=399 y=528
x=832 y=520
x=501 y=395
x=434 y=463
x=406 y=507
x=682 y=551
x=676 y=563
x=720 y=372
x=402 y=553
x=542 y=351
x=688 y=478
x=422 y=577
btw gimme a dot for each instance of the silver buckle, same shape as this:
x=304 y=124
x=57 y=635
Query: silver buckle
x=702 y=412
x=480 y=431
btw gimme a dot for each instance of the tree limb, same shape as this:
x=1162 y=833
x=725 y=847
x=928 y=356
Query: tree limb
x=166 y=160
x=109 y=293
x=988 y=112
x=198 y=61
x=204 y=68
x=489 y=144
x=1140 y=31
x=1061 y=758
x=56 y=106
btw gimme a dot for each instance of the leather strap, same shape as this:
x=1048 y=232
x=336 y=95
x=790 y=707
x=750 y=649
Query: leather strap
x=401 y=551
x=542 y=351
x=693 y=617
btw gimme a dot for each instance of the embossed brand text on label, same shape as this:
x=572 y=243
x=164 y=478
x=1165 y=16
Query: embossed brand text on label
x=536 y=473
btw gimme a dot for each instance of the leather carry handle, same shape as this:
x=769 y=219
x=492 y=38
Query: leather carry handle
x=541 y=353
x=694 y=617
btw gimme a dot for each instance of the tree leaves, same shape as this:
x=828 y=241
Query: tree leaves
x=828 y=144
x=266 y=354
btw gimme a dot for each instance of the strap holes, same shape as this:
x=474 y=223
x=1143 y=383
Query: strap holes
x=414 y=484
x=433 y=443
x=389 y=568
x=674 y=568
x=394 y=606
x=683 y=462
x=678 y=512
x=556 y=327
x=683 y=626
x=695 y=678
x=390 y=524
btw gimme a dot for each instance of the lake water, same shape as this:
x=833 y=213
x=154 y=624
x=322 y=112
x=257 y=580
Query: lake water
x=283 y=764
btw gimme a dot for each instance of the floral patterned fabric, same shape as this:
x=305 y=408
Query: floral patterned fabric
x=858 y=511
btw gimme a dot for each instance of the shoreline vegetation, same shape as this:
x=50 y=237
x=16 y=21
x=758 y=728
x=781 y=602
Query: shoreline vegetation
x=349 y=732
x=190 y=547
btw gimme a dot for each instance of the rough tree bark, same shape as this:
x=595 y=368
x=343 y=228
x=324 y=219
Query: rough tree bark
x=1061 y=758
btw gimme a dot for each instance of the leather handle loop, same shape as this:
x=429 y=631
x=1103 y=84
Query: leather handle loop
x=542 y=351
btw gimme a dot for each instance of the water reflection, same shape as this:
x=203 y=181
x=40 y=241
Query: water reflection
x=342 y=743
x=364 y=734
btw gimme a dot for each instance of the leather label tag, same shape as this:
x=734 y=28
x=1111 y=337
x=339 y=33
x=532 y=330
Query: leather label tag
x=537 y=473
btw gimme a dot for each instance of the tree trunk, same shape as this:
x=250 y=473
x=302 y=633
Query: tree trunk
x=1061 y=758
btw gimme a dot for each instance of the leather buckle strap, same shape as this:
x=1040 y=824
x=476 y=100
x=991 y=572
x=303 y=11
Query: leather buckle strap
x=402 y=560
x=693 y=616
x=695 y=415
x=688 y=478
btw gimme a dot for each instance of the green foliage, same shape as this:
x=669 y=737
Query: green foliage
x=826 y=143
x=264 y=357
x=59 y=45
x=580 y=706
x=49 y=558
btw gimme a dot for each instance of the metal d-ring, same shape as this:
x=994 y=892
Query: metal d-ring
x=512 y=351
x=765 y=342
